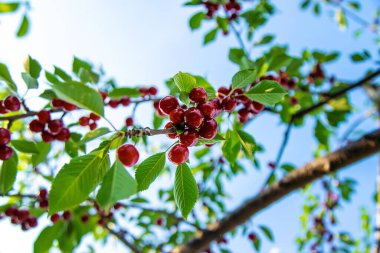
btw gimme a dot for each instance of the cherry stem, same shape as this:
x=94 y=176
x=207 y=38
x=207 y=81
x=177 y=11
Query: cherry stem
x=148 y=132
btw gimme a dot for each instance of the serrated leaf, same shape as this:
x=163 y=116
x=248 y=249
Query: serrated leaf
x=243 y=78
x=185 y=189
x=6 y=77
x=25 y=146
x=184 y=81
x=76 y=180
x=266 y=92
x=117 y=185
x=125 y=91
x=94 y=135
x=8 y=173
x=24 y=27
x=149 y=170
x=47 y=236
x=80 y=95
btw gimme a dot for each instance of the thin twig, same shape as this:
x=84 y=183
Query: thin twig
x=121 y=236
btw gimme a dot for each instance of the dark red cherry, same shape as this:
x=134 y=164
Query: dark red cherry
x=177 y=116
x=170 y=125
x=168 y=104
x=198 y=95
x=194 y=118
x=189 y=137
x=128 y=155
x=178 y=154
x=209 y=129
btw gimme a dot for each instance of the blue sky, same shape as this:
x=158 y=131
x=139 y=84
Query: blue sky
x=145 y=42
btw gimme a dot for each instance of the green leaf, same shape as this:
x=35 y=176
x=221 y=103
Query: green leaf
x=51 y=77
x=47 y=236
x=202 y=82
x=217 y=138
x=80 y=95
x=76 y=180
x=117 y=185
x=80 y=64
x=30 y=82
x=25 y=146
x=266 y=92
x=247 y=142
x=8 y=173
x=6 y=77
x=43 y=149
x=185 y=82
x=94 y=135
x=122 y=92
x=267 y=232
x=62 y=74
x=9 y=7
x=210 y=36
x=243 y=78
x=265 y=40
x=149 y=170
x=185 y=189
x=231 y=147
x=32 y=67
x=196 y=20
x=24 y=27
x=360 y=56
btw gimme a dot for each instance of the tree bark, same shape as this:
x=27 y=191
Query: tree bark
x=351 y=153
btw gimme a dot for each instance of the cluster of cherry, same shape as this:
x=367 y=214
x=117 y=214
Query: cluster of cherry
x=60 y=104
x=5 y=151
x=9 y=104
x=232 y=7
x=89 y=121
x=21 y=217
x=55 y=127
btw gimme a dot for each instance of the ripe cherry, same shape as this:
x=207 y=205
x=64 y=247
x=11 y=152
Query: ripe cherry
x=223 y=92
x=252 y=237
x=56 y=102
x=256 y=107
x=128 y=155
x=229 y=104
x=129 y=122
x=36 y=126
x=84 y=218
x=66 y=215
x=168 y=104
x=198 y=95
x=153 y=91
x=159 y=222
x=54 y=218
x=194 y=118
x=44 y=116
x=5 y=136
x=93 y=126
x=189 y=137
x=103 y=94
x=42 y=194
x=84 y=121
x=208 y=109
x=113 y=103
x=64 y=135
x=3 y=110
x=209 y=129
x=69 y=107
x=32 y=221
x=55 y=126
x=5 y=152
x=177 y=116
x=125 y=101
x=47 y=137
x=12 y=103
x=171 y=135
x=272 y=165
x=94 y=116
x=178 y=154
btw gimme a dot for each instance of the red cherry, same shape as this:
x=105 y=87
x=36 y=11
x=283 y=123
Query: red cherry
x=293 y=101
x=93 y=126
x=5 y=153
x=55 y=126
x=54 y=218
x=177 y=116
x=94 y=116
x=229 y=104
x=143 y=91
x=159 y=221
x=128 y=155
x=222 y=92
x=44 y=204
x=194 y=118
x=103 y=94
x=44 y=116
x=3 y=110
x=209 y=129
x=252 y=237
x=125 y=101
x=64 y=135
x=32 y=222
x=69 y=107
x=156 y=104
x=272 y=165
x=256 y=107
x=56 y=102
x=84 y=121
x=42 y=194
x=11 y=211
x=47 y=137
x=178 y=154
x=66 y=215
x=5 y=136
x=129 y=122
x=23 y=215
x=36 y=126
x=198 y=95
x=113 y=103
x=208 y=109
x=84 y=218
x=117 y=206
x=153 y=91
x=168 y=104
x=12 y=103
x=189 y=137
x=172 y=135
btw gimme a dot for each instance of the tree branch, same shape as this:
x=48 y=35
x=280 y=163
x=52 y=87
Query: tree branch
x=121 y=236
x=353 y=152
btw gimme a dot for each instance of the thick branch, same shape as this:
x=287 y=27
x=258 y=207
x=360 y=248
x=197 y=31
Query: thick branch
x=353 y=152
